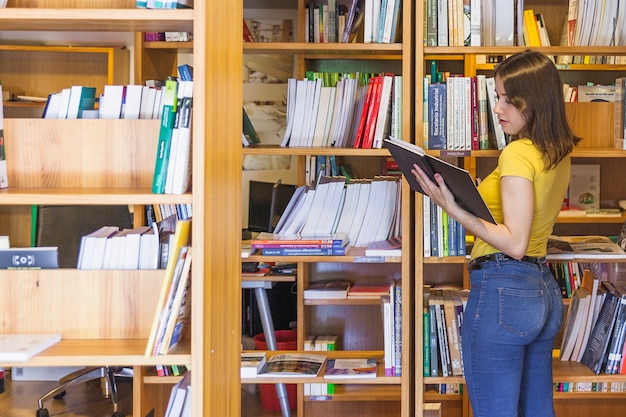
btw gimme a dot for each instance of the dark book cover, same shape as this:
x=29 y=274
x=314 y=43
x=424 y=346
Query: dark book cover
x=595 y=352
x=458 y=180
x=29 y=258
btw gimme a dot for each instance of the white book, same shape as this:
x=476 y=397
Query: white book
x=317 y=205
x=143 y=109
x=111 y=105
x=359 y=213
x=442 y=23
x=383 y=230
x=382 y=120
x=373 y=212
x=51 y=110
x=346 y=112
x=22 y=347
x=132 y=101
x=291 y=109
x=330 y=114
x=65 y=102
x=181 y=177
x=387 y=25
x=349 y=207
x=500 y=137
x=322 y=116
x=313 y=112
x=299 y=112
x=333 y=135
x=90 y=256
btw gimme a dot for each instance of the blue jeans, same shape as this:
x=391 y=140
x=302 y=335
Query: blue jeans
x=513 y=313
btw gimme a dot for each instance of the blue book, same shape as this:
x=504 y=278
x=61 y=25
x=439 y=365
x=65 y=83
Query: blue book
x=303 y=251
x=437 y=113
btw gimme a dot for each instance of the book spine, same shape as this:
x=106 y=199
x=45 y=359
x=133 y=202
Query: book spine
x=437 y=116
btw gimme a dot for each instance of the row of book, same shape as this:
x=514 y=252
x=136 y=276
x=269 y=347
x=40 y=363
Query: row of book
x=594 y=23
x=391 y=305
x=473 y=23
x=332 y=21
x=172 y=171
x=605 y=386
x=363 y=210
x=443 y=323
x=111 y=248
x=343 y=110
x=442 y=235
x=320 y=343
x=459 y=114
x=595 y=329
x=168 y=36
x=342 y=289
x=162 y=4
x=157 y=212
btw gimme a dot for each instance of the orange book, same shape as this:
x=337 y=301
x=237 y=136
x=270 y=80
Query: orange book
x=358 y=141
x=372 y=113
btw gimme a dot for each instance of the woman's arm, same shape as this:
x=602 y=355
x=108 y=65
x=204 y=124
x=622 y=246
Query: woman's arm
x=512 y=235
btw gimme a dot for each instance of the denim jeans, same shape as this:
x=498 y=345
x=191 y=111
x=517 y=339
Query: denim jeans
x=513 y=313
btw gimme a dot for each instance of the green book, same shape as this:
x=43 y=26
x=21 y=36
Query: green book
x=249 y=131
x=169 y=101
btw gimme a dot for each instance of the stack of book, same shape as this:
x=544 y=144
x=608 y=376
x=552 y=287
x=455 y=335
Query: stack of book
x=275 y=245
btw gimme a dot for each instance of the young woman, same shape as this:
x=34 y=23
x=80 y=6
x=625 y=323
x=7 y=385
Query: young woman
x=514 y=309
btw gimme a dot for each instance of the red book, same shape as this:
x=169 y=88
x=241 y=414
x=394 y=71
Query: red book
x=372 y=113
x=247 y=34
x=368 y=95
x=474 y=115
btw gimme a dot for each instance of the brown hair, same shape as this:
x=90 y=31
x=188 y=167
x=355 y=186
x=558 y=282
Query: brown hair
x=533 y=85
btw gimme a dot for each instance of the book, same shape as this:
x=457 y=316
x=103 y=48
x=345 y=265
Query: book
x=614 y=354
x=591 y=284
x=293 y=365
x=458 y=180
x=81 y=98
x=267 y=239
x=22 y=347
x=350 y=368
x=4 y=183
x=327 y=289
x=179 y=318
x=176 y=401
x=495 y=129
x=584 y=186
x=594 y=247
x=389 y=247
x=368 y=290
x=168 y=115
x=44 y=257
x=252 y=363
x=298 y=251
x=180 y=153
x=180 y=239
x=594 y=354
x=92 y=247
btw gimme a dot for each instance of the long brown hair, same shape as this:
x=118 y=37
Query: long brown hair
x=533 y=85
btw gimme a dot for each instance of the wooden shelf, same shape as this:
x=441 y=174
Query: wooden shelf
x=82 y=196
x=103 y=20
x=334 y=50
x=380 y=379
x=96 y=352
x=360 y=392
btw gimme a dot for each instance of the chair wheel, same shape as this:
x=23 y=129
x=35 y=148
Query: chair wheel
x=118 y=414
x=42 y=412
x=59 y=395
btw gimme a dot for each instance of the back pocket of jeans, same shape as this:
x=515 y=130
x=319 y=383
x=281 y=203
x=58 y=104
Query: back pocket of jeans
x=521 y=311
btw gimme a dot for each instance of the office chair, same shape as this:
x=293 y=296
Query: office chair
x=63 y=226
x=82 y=376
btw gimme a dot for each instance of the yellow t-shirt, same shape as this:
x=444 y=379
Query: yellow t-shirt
x=521 y=158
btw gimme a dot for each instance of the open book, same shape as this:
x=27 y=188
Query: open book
x=458 y=180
